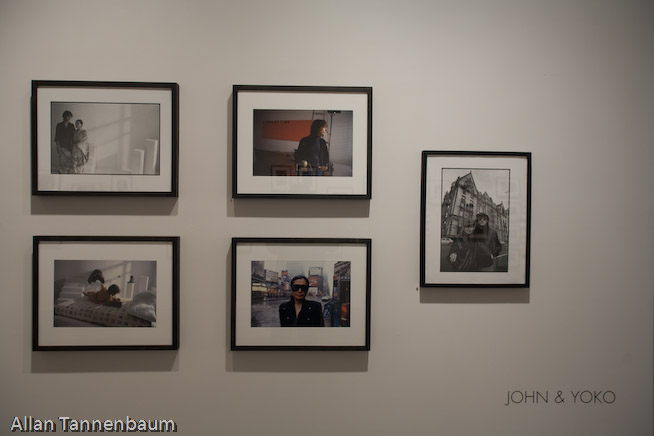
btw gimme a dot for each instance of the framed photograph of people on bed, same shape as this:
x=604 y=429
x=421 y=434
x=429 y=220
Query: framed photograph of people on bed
x=104 y=138
x=475 y=219
x=300 y=294
x=302 y=141
x=105 y=293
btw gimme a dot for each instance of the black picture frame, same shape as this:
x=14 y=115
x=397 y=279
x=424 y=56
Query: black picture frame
x=338 y=271
x=487 y=194
x=73 y=277
x=127 y=145
x=270 y=122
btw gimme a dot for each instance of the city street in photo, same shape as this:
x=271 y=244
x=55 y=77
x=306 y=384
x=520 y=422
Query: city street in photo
x=328 y=287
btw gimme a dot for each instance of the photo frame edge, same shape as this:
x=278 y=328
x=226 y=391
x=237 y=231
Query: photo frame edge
x=527 y=155
x=175 y=291
x=367 y=242
x=173 y=87
x=367 y=90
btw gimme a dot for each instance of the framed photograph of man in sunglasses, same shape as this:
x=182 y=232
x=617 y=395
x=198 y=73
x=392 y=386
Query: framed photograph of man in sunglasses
x=300 y=293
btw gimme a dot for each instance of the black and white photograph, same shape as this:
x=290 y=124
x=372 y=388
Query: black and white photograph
x=305 y=142
x=475 y=219
x=282 y=134
x=105 y=293
x=300 y=293
x=104 y=138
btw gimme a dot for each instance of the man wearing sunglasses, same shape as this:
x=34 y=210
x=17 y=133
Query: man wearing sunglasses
x=300 y=312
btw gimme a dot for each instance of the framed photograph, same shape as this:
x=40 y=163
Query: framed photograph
x=302 y=142
x=105 y=293
x=105 y=138
x=475 y=219
x=300 y=294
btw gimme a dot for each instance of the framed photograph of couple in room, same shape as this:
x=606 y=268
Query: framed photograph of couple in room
x=302 y=142
x=105 y=293
x=104 y=138
x=300 y=294
x=475 y=219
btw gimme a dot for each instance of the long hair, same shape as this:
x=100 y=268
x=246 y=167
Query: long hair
x=480 y=232
x=467 y=223
x=316 y=126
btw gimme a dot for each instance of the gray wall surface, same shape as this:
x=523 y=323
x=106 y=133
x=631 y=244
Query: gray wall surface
x=569 y=81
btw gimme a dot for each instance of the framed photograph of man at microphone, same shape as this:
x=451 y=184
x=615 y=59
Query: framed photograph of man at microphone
x=302 y=142
x=475 y=219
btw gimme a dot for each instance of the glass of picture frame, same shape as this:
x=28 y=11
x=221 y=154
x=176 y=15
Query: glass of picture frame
x=105 y=293
x=104 y=138
x=475 y=219
x=300 y=294
x=302 y=142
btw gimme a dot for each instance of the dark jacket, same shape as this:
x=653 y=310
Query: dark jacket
x=487 y=246
x=463 y=247
x=64 y=134
x=314 y=150
x=309 y=316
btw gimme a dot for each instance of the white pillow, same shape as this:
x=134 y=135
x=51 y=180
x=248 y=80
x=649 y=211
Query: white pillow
x=144 y=306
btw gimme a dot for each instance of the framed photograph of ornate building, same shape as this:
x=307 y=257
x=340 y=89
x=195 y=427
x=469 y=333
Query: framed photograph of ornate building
x=475 y=219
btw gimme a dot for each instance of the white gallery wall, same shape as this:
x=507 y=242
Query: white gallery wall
x=568 y=81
